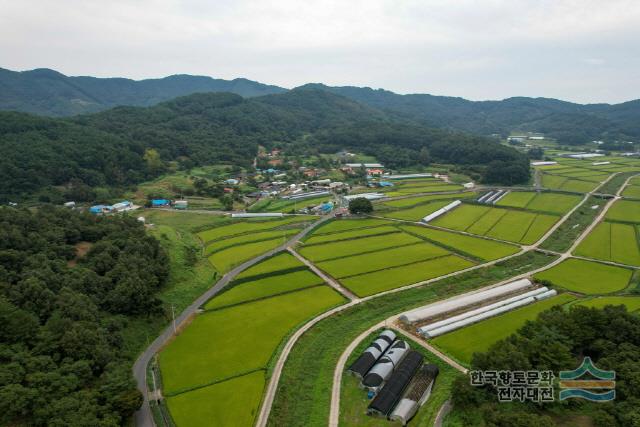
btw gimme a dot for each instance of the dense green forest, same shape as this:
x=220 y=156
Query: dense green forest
x=559 y=340
x=568 y=122
x=50 y=93
x=63 y=310
x=56 y=159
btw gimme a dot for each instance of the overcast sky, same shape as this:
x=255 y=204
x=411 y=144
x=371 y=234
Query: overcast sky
x=584 y=51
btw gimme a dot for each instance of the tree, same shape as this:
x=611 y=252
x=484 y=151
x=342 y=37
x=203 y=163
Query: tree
x=360 y=205
x=152 y=157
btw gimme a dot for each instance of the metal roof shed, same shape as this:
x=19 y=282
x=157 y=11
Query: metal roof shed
x=417 y=394
x=385 y=401
x=382 y=370
x=370 y=356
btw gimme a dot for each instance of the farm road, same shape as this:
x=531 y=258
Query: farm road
x=143 y=417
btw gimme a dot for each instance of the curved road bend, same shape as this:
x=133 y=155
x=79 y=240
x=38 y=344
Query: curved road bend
x=143 y=417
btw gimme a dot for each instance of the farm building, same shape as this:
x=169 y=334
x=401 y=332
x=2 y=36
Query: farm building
x=364 y=165
x=462 y=301
x=307 y=195
x=417 y=394
x=441 y=211
x=232 y=181
x=410 y=175
x=370 y=356
x=494 y=310
x=122 y=206
x=181 y=204
x=160 y=203
x=385 y=401
x=100 y=209
x=382 y=370
x=257 y=215
x=368 y=196
x=70 y=205
x=543 y=163
x=584 y=155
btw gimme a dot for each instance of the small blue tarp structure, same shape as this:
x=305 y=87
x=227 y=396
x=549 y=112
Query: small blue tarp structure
x=160 y=202
x=98 y=209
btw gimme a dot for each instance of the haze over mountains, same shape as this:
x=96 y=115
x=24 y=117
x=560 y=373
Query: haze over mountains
x=47 y=92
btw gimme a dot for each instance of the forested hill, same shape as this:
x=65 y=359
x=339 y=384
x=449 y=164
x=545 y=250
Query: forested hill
x=569 y=122
x=50 y=157
x=47 y=92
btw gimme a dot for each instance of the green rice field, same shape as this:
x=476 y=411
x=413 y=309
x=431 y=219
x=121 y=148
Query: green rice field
x=516 y=199
x=611 y=241
x=632 y=303
x=416 y=213
x=632 y=191
x=462 y=343
x=230 y=342
x=543 y=202
x=484 y=249
x=262 y=288
x=358 y=264
x=338 y=225
x=233 y=227
x=412 y=201
x=625 y=211
x=247 y=238
x=586 y=277
x=285 y=205
x=556 y=182
x=391 y=278
x=504 y=224
x=356 y=246
x=231 y=403
x=224 y=260
x=350 y=234
x=281 y=261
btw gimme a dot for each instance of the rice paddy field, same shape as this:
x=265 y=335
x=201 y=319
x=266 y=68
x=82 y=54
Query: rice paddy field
x=462 y=343
x=556 y=182
x=421 y=185
x=586 y=277
x=554 y=203
x=632 y=191
x=234 y=402
x=220 y=360
x=344 y=224
x=624 y=211
x=236 y=227
x=632 y=303
x=286 y=205
x=412 y=201
x=483 y=249
x=393 y=257
x=333 y=250
x=504 y=224
x=350 y=234
x=236 y=241
x=612 y=241
x=416 y=213
x=395 y=277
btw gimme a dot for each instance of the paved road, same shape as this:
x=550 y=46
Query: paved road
x=334 y=410
x=143 y=417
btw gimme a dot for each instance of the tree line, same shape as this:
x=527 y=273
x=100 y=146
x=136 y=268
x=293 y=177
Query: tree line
x=74 y=158
x=559 y=340
x=62 y=355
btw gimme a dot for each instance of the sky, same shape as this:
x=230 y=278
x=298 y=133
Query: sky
x=583 y=51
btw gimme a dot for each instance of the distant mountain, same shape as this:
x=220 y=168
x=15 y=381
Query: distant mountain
x=569 y=122
x=50 y=93
x=53 y=158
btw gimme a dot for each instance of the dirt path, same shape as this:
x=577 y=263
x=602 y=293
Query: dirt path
x=329 y=280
